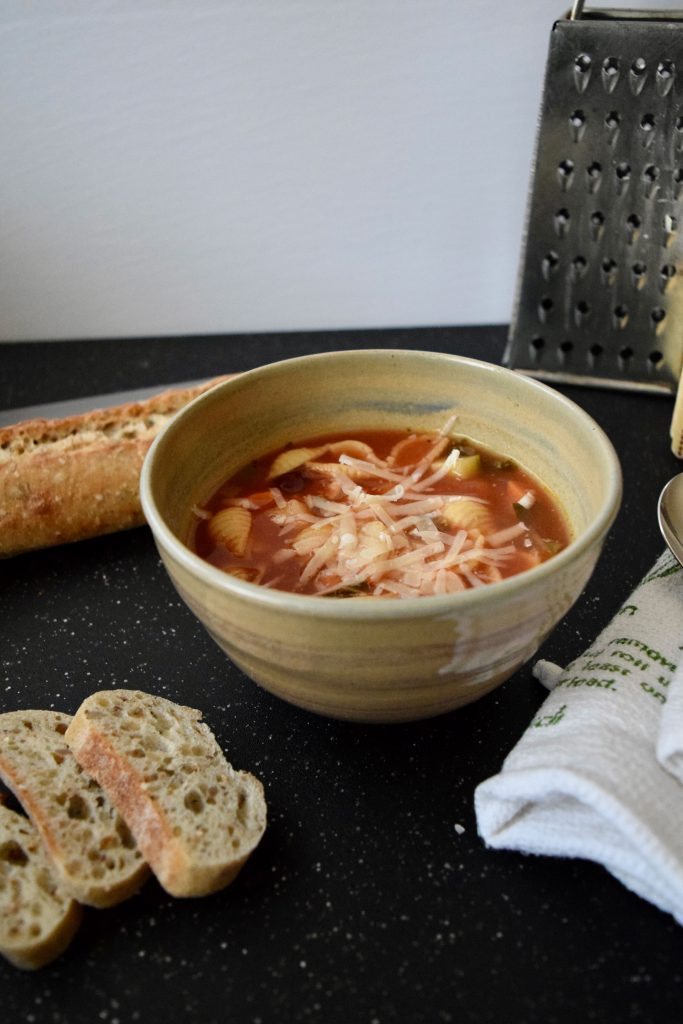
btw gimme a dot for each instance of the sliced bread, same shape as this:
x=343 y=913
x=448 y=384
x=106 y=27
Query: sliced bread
x=194 y=817
x=38 y=918
x=93 y=853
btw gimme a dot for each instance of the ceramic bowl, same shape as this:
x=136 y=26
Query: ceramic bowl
x=379 y=660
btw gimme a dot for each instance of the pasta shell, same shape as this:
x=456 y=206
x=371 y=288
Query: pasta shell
x=241 y=572
x=311 y=538
x=291 y=459
x=231 y=527
x=356 y=449
x=467 y=514
x=292 y=510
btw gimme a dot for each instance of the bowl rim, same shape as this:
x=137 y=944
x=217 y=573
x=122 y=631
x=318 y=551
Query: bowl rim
x=431 y=605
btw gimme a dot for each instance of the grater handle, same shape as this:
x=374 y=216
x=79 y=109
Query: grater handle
x=576 y=12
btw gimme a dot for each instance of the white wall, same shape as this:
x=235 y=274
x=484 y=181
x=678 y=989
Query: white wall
x=191 y=166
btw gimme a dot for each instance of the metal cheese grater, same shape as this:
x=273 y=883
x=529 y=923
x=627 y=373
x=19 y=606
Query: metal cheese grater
x=600 y=292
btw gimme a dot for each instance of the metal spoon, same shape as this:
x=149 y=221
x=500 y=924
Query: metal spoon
x=670 y=515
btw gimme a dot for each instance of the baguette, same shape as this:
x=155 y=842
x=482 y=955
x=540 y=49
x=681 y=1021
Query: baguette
x=38 y=919
x=195 y=819
x=70 y=479
x=93 y=854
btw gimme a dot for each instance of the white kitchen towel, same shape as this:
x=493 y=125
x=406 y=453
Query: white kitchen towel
x=585 y=780
x=670 y=739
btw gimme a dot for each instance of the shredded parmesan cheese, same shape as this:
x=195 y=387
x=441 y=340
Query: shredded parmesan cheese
x=390 y=542
x=389 y=527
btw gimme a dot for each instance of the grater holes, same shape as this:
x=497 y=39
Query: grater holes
x=650 y=178
x=678 y=182
x=608 y=271
x=545 y=308
x=612 y=125
x=577 y=125
x=658 y=315
x=678 y=127
x=633 y=223
x=578 y=267
x=549 y=264
x=664 y=76
x=594 y=353
x=561 y=222
x=622 y=173
x=647 y=128
x=610 y=73
x=536 y=346
x=582 y=71
x=596 y=225
x=565 y=349
x=670 y=229
x=655 y=358
x=581 y=312
x=620 y=316
x=565 y=174
x=666 y=275
x=625 y=354
x=594 y=176
x=638 y=274
x=637 y=75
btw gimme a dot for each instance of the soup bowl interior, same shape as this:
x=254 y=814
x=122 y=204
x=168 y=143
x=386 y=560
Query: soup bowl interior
x=381 y=659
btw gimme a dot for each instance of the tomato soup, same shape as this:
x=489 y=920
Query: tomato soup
x=379 y=514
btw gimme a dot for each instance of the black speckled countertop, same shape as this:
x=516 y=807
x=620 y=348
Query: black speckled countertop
x=371 y=898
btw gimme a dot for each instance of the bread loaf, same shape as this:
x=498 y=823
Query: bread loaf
x=195 y=819
x=38 y=919
x=92 y=851
x=70 y=479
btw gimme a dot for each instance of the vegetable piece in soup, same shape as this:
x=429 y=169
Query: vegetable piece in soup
x=380 y=513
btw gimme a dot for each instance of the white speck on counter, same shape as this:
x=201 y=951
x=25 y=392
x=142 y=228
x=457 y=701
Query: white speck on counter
x=459 y=828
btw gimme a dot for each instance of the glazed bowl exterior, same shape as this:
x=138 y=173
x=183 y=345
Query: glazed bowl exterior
x=381 y=660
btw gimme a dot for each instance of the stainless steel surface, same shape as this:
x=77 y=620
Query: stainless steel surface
x=670 y=515
x=599 y=295
x=74 y=406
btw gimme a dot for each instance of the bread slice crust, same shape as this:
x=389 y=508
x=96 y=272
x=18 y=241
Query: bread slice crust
x=38 y=918
x=194 y=817
x=91 y=849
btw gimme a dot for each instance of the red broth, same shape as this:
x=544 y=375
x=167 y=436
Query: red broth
x=381 y=514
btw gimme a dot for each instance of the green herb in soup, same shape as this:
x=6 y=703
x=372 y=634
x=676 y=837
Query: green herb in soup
x=379 y=514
